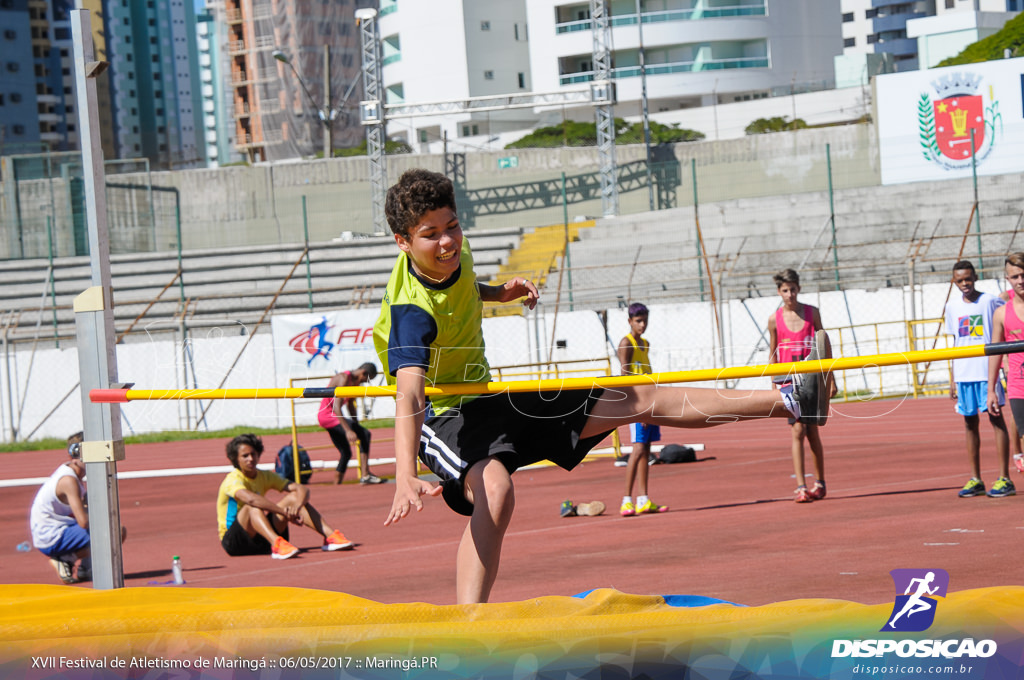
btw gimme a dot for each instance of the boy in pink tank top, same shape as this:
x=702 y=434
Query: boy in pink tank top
x=1008 y=325
x=1011 y=425
x=792 y=329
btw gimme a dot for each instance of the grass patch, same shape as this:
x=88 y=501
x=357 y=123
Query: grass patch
x=51 y=443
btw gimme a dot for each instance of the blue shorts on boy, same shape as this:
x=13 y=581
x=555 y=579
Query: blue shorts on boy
x=972 y=397
x=642 y=433
x=71 y=540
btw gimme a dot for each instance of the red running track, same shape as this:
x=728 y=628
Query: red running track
x=733 y=531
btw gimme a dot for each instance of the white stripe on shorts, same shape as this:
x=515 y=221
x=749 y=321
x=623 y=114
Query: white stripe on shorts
x=439 y=451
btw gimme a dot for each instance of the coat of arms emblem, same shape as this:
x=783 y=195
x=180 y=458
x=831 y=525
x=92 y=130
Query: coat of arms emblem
x=956 y=125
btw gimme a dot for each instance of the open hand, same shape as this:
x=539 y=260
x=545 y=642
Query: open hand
x=408 y=495
x=518 y=287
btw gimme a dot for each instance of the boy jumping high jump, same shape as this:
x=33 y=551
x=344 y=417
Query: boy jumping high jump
x=430 y=329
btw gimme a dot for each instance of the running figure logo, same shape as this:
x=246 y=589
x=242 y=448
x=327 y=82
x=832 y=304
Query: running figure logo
x=914 y=611
x=314 y=341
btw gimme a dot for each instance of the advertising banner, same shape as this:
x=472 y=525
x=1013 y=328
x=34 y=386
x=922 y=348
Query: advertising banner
x=309 y=345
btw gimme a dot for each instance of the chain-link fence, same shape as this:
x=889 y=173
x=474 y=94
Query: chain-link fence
x=522 y=187
x=727 y=216
x=41 y=396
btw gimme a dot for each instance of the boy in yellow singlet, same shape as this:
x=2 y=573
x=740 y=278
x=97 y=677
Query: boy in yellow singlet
x=634 y=360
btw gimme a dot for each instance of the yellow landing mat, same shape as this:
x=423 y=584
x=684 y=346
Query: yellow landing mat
x=267 y=632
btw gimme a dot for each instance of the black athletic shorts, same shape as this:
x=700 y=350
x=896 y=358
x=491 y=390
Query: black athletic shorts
x=237 y=542
x=1017 y=409
x=517 y=428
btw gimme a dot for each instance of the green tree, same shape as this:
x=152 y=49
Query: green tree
x=660 y=134
x=390 y=148
x=775 y=124
x=1010 y=36
x=574 y=133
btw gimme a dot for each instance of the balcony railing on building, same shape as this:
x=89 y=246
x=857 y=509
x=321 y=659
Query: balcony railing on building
x=695 y=14
x=259 y=76
x=674 y=67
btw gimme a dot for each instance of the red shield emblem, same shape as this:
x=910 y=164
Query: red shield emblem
x=955 y=117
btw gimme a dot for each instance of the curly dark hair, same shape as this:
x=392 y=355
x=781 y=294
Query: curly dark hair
x=416 y=193
x=252 y=440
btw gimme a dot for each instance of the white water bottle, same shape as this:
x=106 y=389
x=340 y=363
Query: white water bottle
x=176 y=571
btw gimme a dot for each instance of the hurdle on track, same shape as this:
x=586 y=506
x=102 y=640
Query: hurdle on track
x=121 y=395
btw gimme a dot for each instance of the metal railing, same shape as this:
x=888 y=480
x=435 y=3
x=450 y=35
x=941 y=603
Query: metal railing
x=674 y=67
x=668 y=15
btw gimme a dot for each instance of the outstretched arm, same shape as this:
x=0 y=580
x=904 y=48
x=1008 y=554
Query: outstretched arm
x=410 y=410
x=513 y=289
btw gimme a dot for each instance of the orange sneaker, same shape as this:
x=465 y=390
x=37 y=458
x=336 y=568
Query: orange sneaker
x=337 y=541
x=282 y=549
x=803 y=495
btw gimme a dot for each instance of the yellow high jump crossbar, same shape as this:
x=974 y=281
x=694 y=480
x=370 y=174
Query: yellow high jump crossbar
x=121 y=395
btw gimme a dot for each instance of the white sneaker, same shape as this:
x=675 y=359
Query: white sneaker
x=65 y=570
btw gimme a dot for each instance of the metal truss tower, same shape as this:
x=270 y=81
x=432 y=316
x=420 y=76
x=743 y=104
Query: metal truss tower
x=371 y=114
x=373 y=111
x=603 y=96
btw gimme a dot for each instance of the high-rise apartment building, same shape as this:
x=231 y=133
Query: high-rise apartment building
x=921 y=33
x=957 y=24
x=696 y=52
x=280 y=104
x=155 y=81
x=889 y=29
x=19 y=127
x=218 y=133
x=37 y=101
x=454 y=50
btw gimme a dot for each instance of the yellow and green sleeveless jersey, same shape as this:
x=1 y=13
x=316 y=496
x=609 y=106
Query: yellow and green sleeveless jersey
x=641 y=363
x=437 y=327
x=227 y=506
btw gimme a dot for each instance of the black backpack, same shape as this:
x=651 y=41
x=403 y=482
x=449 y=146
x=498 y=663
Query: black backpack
x=675 y=453
x=285 y=464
